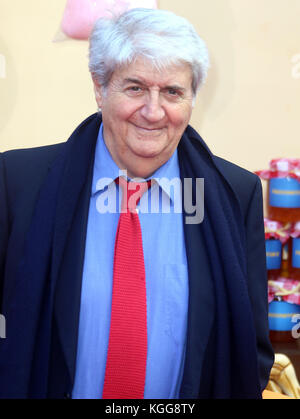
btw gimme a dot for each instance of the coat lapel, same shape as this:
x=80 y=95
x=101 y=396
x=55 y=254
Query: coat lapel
x=69 y=239
x=201 y=301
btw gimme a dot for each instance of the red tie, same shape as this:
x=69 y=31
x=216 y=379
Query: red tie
x=127 y=348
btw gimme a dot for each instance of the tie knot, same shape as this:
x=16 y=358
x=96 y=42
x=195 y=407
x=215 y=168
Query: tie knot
x=132 y=193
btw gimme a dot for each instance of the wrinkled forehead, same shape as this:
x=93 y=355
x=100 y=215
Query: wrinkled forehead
x=149 y=73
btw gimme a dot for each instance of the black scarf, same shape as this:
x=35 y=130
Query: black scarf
x=24 y=355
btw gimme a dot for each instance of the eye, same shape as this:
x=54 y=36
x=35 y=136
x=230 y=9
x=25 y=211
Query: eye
x=173 y=92
x=135 y=89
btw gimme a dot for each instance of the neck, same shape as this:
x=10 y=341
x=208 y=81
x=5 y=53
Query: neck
x=141 y=168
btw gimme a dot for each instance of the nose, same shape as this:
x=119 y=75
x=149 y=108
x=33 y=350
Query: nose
x=152 y=110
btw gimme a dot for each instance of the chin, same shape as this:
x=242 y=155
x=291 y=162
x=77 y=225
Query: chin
x=148 y=150
x=146 y=162
x=147 y=154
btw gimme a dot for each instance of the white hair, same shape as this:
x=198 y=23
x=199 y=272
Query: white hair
x=158 y=36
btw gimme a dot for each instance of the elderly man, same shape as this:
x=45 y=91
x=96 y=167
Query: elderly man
x=104 y=299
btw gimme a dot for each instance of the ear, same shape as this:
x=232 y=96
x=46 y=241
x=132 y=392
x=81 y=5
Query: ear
x=98 y=91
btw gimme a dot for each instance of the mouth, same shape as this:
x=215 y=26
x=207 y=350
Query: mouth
x=149 y=130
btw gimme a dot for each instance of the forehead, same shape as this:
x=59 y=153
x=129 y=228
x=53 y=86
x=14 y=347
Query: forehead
x=147 y=73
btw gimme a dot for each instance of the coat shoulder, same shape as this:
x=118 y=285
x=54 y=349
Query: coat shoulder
x=36 y=155
x=29 y=165
x=242 y=181
x=238 y=177
x=237 y=174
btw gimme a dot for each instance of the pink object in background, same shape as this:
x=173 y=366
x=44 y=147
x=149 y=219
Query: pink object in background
x=80 y=15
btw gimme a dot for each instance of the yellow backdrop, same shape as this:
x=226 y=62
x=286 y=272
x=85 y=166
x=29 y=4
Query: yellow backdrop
x=248 y=111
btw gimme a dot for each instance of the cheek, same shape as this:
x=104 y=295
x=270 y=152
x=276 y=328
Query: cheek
x=116 y=108
x=124 y=116
x=115 y=117
x=180 y=117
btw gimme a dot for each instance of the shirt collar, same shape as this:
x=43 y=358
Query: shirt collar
x=104 y=167
x=107 y=170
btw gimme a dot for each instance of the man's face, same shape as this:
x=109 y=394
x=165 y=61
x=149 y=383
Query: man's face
x=145 y=112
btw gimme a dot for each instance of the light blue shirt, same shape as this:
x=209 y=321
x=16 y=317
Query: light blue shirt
x=166 y=281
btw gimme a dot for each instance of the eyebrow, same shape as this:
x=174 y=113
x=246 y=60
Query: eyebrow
x=141 y=83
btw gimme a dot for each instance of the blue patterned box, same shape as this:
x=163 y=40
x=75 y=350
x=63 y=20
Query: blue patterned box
x=281 y=314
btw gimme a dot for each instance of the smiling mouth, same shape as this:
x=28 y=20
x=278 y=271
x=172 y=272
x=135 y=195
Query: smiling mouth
x=149 y=130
